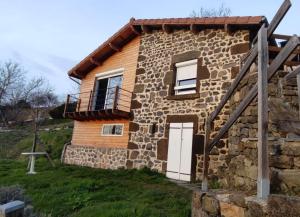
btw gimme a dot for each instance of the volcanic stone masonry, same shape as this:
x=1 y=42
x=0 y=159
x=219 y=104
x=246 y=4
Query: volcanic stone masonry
x=105 y=158
x=154 y=105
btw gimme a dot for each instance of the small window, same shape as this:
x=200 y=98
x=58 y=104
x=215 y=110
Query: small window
x=112 y=130
x=186 y=77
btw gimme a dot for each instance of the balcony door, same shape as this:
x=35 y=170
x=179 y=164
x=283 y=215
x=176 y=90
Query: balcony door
x=106 y=90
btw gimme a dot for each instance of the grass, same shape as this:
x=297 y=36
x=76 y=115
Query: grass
x=20 y=139
x=86 y=192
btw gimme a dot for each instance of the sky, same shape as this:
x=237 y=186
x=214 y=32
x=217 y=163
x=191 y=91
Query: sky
x=48 y=37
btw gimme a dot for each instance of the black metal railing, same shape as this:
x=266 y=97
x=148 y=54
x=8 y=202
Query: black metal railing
x=114 y=98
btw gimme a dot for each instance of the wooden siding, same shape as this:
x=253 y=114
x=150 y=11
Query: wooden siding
x=89 y=133
x=127 y=59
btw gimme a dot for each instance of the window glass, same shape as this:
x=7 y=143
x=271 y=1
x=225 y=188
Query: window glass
x=186 y=77
x=112 y=129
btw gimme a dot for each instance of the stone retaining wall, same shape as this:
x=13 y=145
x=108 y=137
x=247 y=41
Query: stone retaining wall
x=105 y=158
x=240 y=170
x=225 y=204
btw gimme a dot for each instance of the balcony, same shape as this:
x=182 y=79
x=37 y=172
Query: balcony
x=103 y=104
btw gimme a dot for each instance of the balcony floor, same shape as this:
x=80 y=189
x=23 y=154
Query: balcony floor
x=107 y=114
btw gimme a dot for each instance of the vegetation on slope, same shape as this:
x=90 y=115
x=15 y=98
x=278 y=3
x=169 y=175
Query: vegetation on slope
x=86 y=192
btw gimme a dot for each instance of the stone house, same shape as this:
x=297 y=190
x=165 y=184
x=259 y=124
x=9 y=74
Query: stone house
x=146 y=92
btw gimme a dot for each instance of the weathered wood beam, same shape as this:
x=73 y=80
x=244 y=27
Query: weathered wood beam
x=280 y=36
x=277 y=18
x=235 y=83
x=146 y=29
x=275 y=65
x=114 y=47
x=298 y=89
x=76 y=73
x=228 y=29
x=278 y=49
x=194 y=28
x=134 y=29
x=263 y=181
x=271 y=28
x=292 y=74
x=167 y=28
x=204 y=185
x=286 y=5
x=95 y=62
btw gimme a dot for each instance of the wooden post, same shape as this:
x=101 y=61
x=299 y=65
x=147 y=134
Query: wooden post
x=90 y=101
x=78 y=105
x=298 y=89
x=115 y=103
x=263 y=181
x=204 y=185
x=66 y=105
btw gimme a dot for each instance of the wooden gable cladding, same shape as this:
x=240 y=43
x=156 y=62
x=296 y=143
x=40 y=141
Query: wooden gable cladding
x=126 y=59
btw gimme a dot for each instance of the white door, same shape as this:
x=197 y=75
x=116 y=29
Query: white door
x=180 y=151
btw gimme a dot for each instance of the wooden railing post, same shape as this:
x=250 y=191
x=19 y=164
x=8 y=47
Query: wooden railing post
x=115 y=103
x=204 y=185
x=78 y=105
x=66 y=105
x=90 y=101
x=263 y=181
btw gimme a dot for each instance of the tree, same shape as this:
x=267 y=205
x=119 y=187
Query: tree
x=11 y=77
x=222 y=11
x=18 y=95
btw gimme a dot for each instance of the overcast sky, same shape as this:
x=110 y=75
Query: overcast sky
x=48 y=37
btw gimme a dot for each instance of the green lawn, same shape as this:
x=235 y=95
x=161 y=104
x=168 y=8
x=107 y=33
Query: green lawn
x=86 y=192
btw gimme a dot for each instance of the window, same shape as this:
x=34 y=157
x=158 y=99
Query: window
x=112 y=129
x=105 y=88
x=186 y=77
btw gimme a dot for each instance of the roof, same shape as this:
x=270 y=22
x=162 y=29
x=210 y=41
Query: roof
x=136 y=26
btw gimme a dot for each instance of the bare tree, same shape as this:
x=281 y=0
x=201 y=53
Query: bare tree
x=222 y=11
x=11 y=77
x=18 y=95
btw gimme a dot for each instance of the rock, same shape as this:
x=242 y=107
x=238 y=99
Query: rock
x=230 y=210
x=238 y=199
x=283 y=206
x=290 y=177
x=282 y=162
x=291 y=148
x=255 y=209
x=210 y=205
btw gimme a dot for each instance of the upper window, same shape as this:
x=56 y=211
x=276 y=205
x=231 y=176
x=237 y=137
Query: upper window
x=186 y=77
x=112 y=129
x=105 y=88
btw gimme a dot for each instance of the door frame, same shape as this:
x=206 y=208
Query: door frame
x=197 y=139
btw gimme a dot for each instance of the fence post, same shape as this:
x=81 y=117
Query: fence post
x=263 y=181
x=204 y=185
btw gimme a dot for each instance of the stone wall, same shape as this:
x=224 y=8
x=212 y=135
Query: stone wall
x=240 y=170
x=239 y=204
x=218 y=55
x=105 y=158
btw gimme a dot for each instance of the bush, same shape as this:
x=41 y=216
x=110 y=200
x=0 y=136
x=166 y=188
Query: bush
x=57 y=112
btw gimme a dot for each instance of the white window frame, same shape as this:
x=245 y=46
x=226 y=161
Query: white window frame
x=103 y=125
x=108 y=74
x=111 y=73
x=178 y=87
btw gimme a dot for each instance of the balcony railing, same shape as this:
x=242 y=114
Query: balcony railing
x=103 y=103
